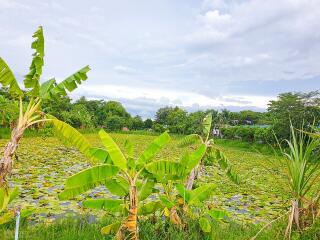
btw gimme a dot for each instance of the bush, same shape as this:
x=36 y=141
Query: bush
x=248 y=133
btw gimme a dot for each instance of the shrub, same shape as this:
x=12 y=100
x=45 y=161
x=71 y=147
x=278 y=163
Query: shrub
x=248 y=133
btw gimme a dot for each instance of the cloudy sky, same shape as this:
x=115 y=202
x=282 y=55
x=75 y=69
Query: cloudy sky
x=235 y=54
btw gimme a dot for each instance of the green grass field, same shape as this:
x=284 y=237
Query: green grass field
x=43 y=164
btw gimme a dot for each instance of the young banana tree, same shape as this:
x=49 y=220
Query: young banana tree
x=182 y=202
x=35 y=92
x=208 y=151
x=169 y=197
x=125 y=176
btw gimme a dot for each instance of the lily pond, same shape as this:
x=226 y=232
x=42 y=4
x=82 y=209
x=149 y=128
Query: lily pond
x=43 y=163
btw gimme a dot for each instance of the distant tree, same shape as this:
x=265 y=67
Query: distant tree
x=9 y=111
x=172 y=118
x=223 y=117
x=113 y=108
x=78 y=117
x=57 y=106
x=148 y=123
x=115 y=123
x=302 y=109
x=157 y=127
x=137 y=123
x=194 y=122
x=248 y=115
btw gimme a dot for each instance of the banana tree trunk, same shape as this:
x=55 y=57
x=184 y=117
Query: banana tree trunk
x=9 y=151
x=174 y=217
x=193 y=175
x=132 y=220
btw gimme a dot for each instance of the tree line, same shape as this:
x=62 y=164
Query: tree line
x=301 y=109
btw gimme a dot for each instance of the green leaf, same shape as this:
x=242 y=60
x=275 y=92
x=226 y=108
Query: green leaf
x=109 y=205
x=207 y=122
x=118 y=186
x=70 y=83
x=205 y=225
x=183 y=192
x=217 y=214
x=166 y=202
x=128 y=147
x=153 y=148
x=101 y=155
x=32 y=78
x=150 y=208
x=201 y=193
x=196 y=157
x=189 y=140
x=7 y=79
x=7 y=196
x=87 y=179
x=71 y=135
x=166 y=170
x=114 y=151
x=4 y=198
x=146 y=189
x=7 y=217
x=46 y=87
x=13 y=194
x=111 y=229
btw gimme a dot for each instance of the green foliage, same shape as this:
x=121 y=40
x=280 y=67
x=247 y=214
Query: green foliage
x=7 y=79
x=148 y=123
x=67 y=133
x=302 y=163
x=153 y=148
x=87 y=179
x=301 y=109
x=249 y=133
x=109 y=205
x=78 y=117
x=51 y=90
x=124 y=176
x=137 y=123
x=173 y=119
x=205 y=225
x=189 y=140
x=195 y=196
x=32 y=78
x=113 y=150
x=207 y=124
x=82 y=227
x=9 y=111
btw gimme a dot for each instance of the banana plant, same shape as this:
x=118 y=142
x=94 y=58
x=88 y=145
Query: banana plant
x=35 y=92
x=182 y=202
x=131 y=179
x=209 y=152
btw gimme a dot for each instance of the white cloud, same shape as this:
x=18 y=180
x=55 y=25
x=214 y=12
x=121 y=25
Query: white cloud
x=214 y=18
x=172 y=97
x=124 y=69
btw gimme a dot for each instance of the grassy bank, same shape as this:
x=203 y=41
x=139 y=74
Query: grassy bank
x=150 y=229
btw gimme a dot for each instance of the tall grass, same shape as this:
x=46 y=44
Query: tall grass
x=150 y=229
x=302 y=168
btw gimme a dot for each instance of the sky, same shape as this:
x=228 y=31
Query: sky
x=147 y=54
